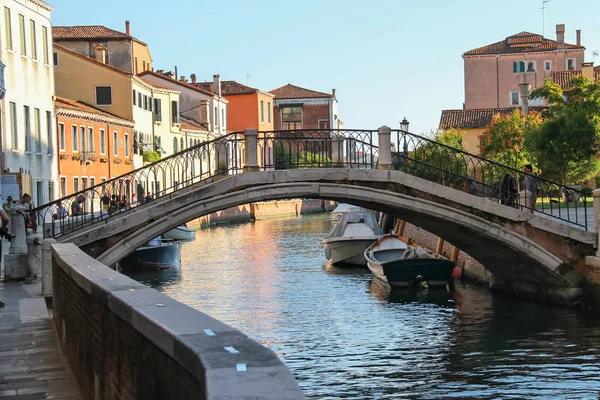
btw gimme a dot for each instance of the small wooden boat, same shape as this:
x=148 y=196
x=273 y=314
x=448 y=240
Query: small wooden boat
x=342 y=209
x=400 y=265
x=182 y=233
x=157 y=255
x=350 y=237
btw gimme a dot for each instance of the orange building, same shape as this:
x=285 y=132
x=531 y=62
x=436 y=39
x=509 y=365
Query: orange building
x=248 y=107
x=94 y=146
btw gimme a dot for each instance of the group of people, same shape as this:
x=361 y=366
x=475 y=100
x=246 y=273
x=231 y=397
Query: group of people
x=509 y=192
x=24 y=203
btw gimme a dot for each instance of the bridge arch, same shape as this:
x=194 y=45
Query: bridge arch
x=491 y=233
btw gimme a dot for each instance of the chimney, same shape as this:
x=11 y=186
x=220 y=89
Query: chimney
x=579 y=37
x=183 y=79
x=205 y=113
x=100 y=53
x=168 y=74
x=160 y=71
x=217 y=84
x=587 y=70
x=525 y=91
x=560 y=36
x=333 y=93
x=127 y=28
x=193 y=78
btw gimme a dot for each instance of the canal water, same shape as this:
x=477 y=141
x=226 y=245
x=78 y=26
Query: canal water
x=344 y=336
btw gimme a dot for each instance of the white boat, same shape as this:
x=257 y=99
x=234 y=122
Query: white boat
x=182 y=233
x=394 y=262
x=344 y=208
x=350 y=237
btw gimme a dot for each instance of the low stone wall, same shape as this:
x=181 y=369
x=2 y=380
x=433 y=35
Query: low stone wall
x=127 y=341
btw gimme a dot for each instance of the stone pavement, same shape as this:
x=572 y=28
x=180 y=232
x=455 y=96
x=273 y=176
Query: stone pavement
x=32 y=366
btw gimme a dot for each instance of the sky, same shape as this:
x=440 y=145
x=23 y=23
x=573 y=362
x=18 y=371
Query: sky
x=388 y=59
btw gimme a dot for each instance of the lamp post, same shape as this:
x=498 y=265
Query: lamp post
x=404 y=125
x=404 y=128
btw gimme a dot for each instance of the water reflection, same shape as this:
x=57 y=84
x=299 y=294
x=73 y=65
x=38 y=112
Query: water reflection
x=344 y=335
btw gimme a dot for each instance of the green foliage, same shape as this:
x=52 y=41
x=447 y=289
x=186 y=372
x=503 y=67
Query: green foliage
x=504 y=140
x=151 y=156
x=566 y=145
x=450 y=137
x=286 y=158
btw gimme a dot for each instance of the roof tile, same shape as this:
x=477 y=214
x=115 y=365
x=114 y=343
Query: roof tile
x=474 y=118
x=290 y=91
x=86 y=32
x=228 y=88
x=524 y=42
x=75 y=105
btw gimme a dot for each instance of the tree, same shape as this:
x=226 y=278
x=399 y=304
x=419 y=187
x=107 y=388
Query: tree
x=567 y=144
x=504 y=139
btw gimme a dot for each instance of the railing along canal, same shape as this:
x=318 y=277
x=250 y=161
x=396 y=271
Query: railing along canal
x=413 y=154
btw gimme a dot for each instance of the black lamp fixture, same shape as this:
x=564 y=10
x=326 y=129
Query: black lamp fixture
x=404 y=125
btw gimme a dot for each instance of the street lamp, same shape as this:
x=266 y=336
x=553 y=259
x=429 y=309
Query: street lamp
x=404 y=125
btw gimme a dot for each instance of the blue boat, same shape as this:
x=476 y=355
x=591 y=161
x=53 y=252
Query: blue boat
x=394 y=262
x=157 y=255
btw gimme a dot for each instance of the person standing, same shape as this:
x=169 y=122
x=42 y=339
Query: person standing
x=531 y=184
x=148 y=198
x=27 y=204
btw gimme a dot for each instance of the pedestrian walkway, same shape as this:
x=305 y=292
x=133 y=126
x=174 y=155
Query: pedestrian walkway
x=32 y=365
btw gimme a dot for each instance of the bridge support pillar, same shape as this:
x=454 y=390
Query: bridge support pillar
x=251 y=144
x=385 y=149
x=15 y=262
x=337 y=150
x=47 y=267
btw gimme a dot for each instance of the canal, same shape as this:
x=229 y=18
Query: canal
x=345 y=336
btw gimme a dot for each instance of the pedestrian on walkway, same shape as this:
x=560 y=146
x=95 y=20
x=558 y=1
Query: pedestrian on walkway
x=531 y=185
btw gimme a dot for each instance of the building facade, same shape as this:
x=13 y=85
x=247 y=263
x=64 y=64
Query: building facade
x=117 y=49
x=493 y=72
x=28 y=122
x=93 y=146
x=248 y=107
x=299 y=108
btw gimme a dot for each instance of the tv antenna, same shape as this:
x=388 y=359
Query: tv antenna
x=594 y=55
x=248 y=76
x=543 y=8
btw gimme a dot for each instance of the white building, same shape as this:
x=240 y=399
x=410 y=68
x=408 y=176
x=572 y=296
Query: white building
x=28 y=125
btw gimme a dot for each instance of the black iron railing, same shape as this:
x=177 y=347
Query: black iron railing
x=433 y=161
x=413 y=154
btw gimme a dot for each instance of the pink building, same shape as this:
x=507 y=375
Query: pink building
x=493 y=72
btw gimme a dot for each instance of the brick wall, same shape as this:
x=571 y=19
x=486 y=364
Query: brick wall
x=125 y=341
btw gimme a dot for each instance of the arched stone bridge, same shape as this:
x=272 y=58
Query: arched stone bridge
x=515 y=246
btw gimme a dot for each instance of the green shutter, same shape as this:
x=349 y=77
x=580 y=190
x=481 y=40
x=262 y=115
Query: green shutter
x=515 y=66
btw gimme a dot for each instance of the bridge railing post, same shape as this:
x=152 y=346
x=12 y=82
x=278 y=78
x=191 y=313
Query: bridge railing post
x=337 y=150
x=385 y=149
x=251 y=144
x=596 y=195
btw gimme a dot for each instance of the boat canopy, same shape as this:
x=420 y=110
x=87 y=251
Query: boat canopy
x=344 y=208
x=355 y=218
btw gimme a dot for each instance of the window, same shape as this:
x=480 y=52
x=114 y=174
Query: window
x=74 y=140
x=50 y=191
x=157 y=110
x=116 y=143
x=519 y=66
x=22 y=35
x=63 y=186
x=548 y=65
x=143 y=65
x=55 y=59
x=145 y=102
x=75 y=184
x=126 y=145
x=269 y=112
x=45 y=44
x=8 y=27
x=102 y=142
x=49 y=120
x=139 y=100
x=291 y=118
x=262 y=112
x=216 y=117
x=570 y=64
x=136 y=67
x=13 y=126
x=62 y=139
x=175 y=111
x=91 y=140
x=104 y=95
x=82 y=145
x=37 y=130
x=530 y=66
x=32 y=38
x=514 y=98
x=92 y=184
x=181 y=147
x=175 y=150
x=28 y=138
x=134 y=98
x=223 y=118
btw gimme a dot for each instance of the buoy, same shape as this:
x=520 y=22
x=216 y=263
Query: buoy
x=456 y=272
